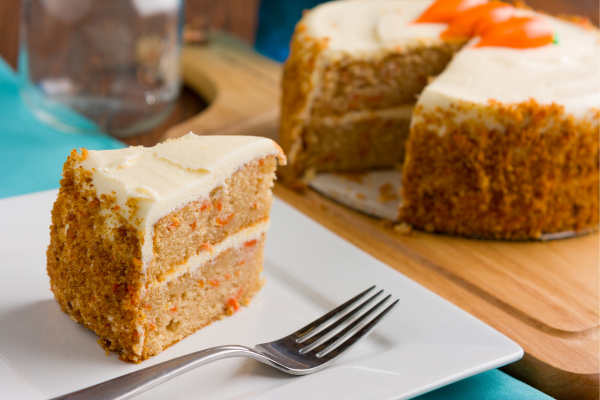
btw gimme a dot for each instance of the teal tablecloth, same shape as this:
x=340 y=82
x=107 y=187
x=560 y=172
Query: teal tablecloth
x=31 y=159
x=32 y=154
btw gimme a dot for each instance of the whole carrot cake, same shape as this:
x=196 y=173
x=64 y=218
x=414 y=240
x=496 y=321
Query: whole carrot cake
x=491 y=111
x=148 y=245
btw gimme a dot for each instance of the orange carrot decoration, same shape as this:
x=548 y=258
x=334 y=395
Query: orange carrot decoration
x=445 y=11
x=478 y=20
x=493 y=21
x=518 y=33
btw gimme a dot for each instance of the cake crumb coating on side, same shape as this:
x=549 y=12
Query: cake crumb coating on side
x=97 y=281
x=537 y=175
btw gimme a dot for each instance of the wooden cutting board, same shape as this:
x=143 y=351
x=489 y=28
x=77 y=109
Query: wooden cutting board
x=543 y=295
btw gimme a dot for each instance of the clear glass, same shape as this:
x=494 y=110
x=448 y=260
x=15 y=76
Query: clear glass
x=111 y=65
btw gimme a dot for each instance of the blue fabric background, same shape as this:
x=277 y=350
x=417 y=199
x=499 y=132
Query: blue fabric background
x=277 y=20
x=32 y=155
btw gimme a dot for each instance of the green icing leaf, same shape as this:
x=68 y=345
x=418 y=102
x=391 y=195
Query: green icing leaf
x=556 y=38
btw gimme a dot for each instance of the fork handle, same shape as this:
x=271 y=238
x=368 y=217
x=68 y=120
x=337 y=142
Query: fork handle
x=137 y=382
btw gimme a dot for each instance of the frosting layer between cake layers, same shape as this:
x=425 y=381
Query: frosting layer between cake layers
x=150 y=183
x=237 y=240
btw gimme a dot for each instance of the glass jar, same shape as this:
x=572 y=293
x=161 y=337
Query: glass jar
x=110 y=65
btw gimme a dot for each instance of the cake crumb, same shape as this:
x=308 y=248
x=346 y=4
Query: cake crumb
x=310 y=174
x=356 y=176
x=386 y=224
x=404 y=229
x=386 y=193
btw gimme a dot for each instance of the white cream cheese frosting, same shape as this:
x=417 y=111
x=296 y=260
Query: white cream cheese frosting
x=366 y=28
x=164 y=178
x=566 y=73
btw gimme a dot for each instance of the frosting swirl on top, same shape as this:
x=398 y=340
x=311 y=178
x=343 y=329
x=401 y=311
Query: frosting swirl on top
x=565 y=73
x=367 y=27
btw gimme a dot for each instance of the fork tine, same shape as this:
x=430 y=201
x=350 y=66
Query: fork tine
x=337 y=323
x=342 y=334
x=357 y=336
x=320 y=321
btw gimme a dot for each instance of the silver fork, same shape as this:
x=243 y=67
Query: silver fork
x=303 y=352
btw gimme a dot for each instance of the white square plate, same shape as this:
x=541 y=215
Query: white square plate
x=425 y=343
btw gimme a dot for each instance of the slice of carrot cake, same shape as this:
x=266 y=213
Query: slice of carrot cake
x=150 y=244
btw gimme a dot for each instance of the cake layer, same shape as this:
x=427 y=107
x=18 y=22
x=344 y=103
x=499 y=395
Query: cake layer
x=356 y=141
x=349 y=84
x=244 y=199
x=147 y=184
x=244 y=236
x=171 y=311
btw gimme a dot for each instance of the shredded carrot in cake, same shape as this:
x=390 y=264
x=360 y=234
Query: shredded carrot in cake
x=206 y=247
x=205 y=206
x=232 y=306
x=225 y=220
